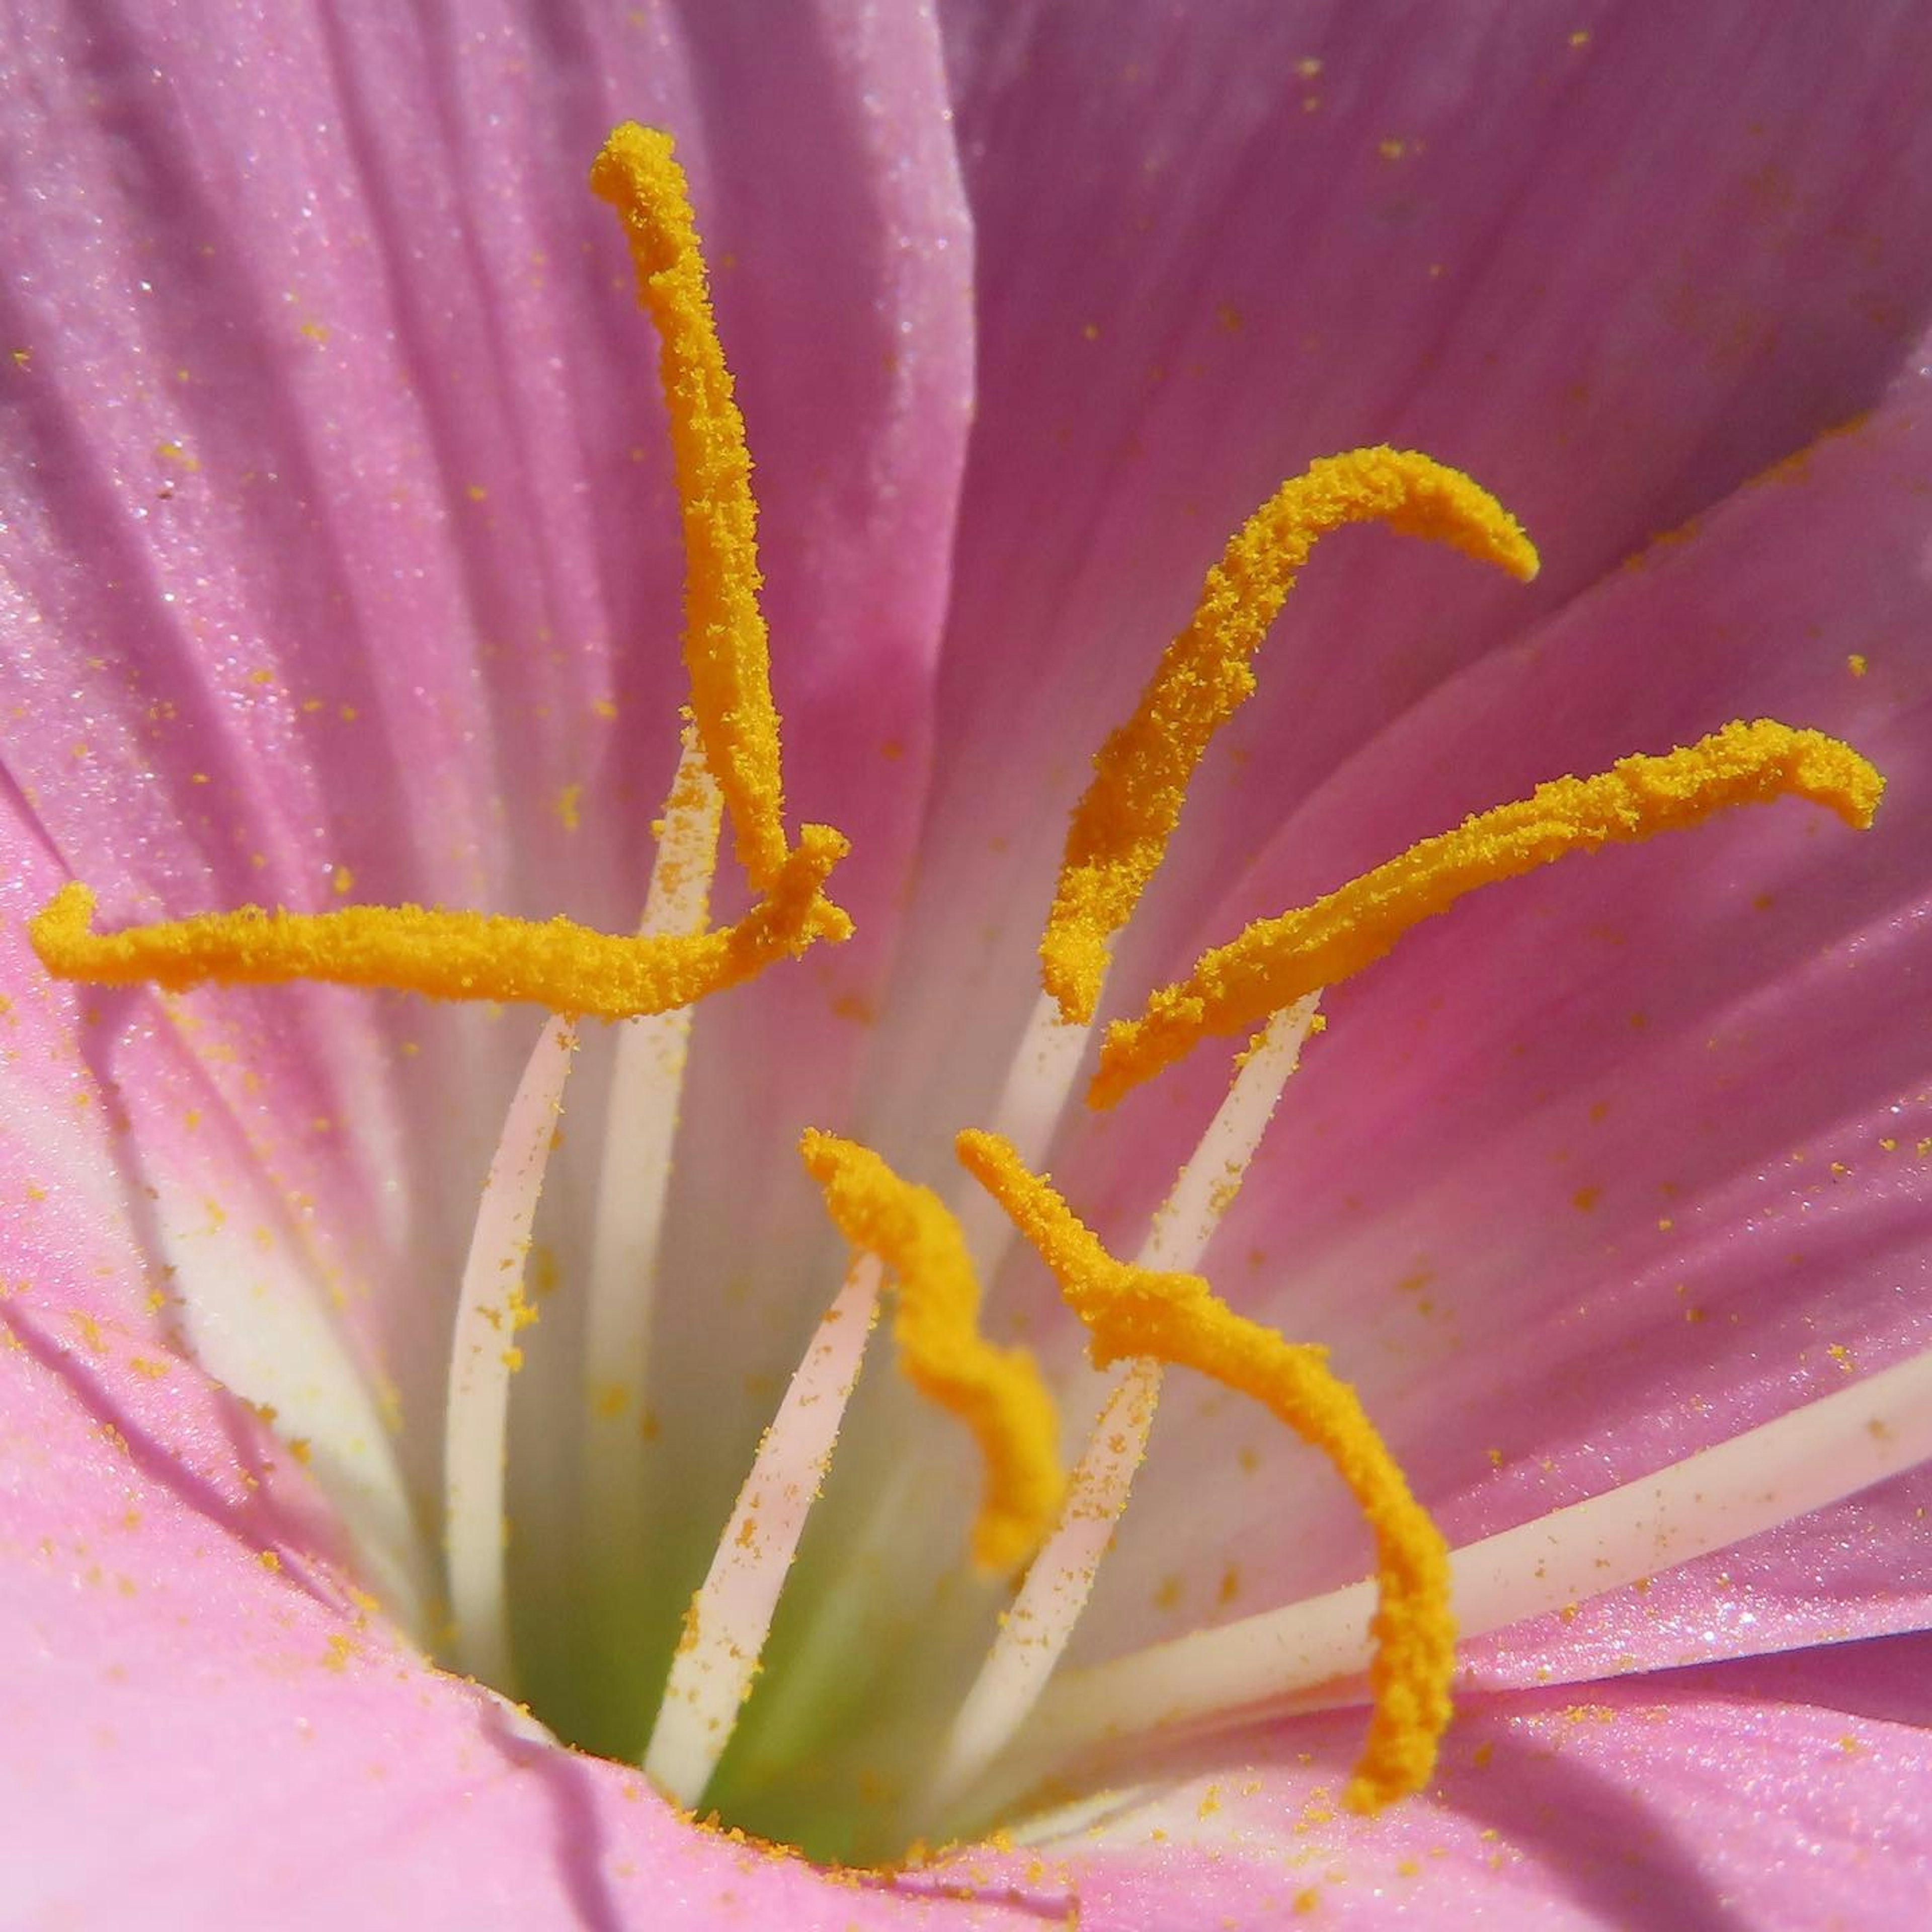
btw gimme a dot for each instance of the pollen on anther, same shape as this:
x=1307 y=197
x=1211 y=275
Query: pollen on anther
x=1120 y=828
x=1233 y=987
x=726 y=654
x=998 y=1393
x=1134 y=1312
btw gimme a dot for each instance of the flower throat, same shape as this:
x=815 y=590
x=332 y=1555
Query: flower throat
x=1037 y=1521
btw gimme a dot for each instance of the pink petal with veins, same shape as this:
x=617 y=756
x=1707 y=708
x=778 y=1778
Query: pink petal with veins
x=1775 y=1792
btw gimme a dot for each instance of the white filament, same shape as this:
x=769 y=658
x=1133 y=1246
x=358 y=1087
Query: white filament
x=1039 y=1084
x=731 y=1613
x=1035 y=1632
x=634 y=1179
x=1311 y=1655
x=483 y=1354
x=1204 y=1190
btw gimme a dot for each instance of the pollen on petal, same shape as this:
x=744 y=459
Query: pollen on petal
x=1140 y=775
x=1276 y=961
x=997 y=1392
x=454 y=956
x=1142 y=1313
x=726 y=653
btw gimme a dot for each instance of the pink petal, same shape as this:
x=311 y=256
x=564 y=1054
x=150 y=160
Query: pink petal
x=420 y=463
x=138 y=1199
x=1778 y=1792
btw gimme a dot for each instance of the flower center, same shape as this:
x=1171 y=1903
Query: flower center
x=958 y=1759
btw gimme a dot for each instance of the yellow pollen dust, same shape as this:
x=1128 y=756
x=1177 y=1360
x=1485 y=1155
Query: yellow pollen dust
x=726 y=655
x=1276 y=961
x=997 y=1392
x=454 y=956
x=1121 y=826
x=1135 y=1311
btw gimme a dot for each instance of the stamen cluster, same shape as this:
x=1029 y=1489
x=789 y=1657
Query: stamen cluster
x=1148 y=1315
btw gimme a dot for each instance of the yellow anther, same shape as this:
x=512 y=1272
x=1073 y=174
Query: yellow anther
x=724 y=647
x=454 y=956
x=568 y=967
x=1140 y=775
x=997 y=1392
x=1134 y=1312
x=1276 y=961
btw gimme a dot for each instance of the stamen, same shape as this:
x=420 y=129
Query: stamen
x=726 y=655
x=1033 y=1635
x=455 y=955
x=1308 y=1656
x=640 y=1129
x=1140 y=775
x=1275 y=961
x=1134 y=1312
x=997 y=1392
x=731 y=1616
x=490 y=1311
x=564 y=966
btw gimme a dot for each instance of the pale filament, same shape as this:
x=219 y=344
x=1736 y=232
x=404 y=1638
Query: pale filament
x=1035 y=1634
x=1039 y=1084
x=491 y=1308
x=634 y=1179
x=1312 y=1655
x=484 y=1353
x=725 y=1628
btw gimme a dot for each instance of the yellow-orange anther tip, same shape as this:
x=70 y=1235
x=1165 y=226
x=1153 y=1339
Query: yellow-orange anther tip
x=726 y=653
x=57 y=930
x=632 y=157
x=1073 y=963
x=1831 y=773
x=1442 y=503
x=984 y=1155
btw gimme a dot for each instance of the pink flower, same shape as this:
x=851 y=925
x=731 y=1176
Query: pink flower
x=341 y=563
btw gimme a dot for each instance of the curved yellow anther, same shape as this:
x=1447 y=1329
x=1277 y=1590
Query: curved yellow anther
x=1140 y=775
x=454 y=955
x=568 y=967
x=1133 y=1311
x=997 y=1392
x=725 y=647
x=1276 y=961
